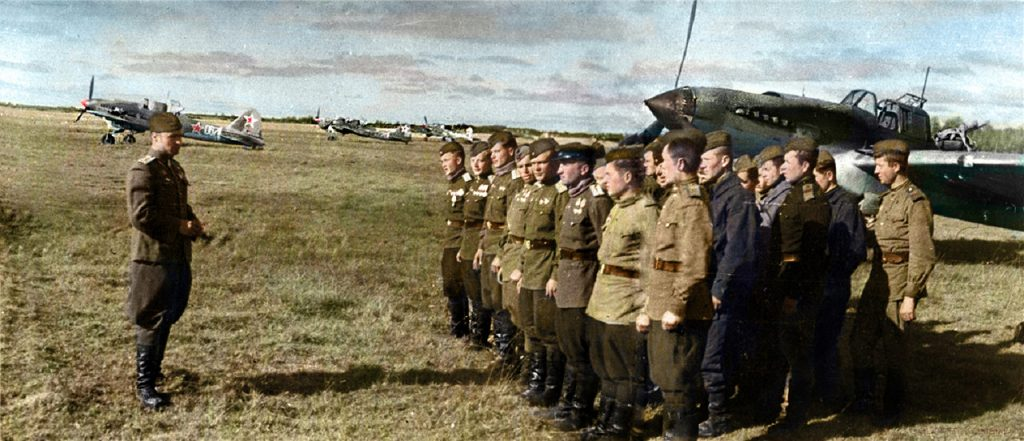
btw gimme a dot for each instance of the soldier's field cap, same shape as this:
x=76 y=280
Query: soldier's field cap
x=163 y=122
x=627 y=152
x=599 y=152
x=801 y=143
x=478 y=148
x=541 y=146
x=769 y=153
x=718 y=138
x=574 y=151
x=691 y=134
x=522 y=152
x=825 y=159
x=452 y=147
x=744 y=163
x=505 y=138
x=891 y=146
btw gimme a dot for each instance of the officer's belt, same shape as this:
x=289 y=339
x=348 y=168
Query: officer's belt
x=455 y=223
x=515 y=239
x=895 y=257
x=473 y=223
x=495 y=225
x=621 y=272
x=668 y=265
x=538 y=244
x=586 y=255
x=790 y=258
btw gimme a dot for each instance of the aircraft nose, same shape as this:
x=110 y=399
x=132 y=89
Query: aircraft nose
x=85 y=103
x=674 y=108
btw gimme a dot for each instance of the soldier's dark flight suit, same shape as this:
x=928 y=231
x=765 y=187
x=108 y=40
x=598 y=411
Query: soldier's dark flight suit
x=451 y=270
x=473 y=222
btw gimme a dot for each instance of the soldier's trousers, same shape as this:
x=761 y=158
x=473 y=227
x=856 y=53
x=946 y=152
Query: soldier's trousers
x=796 y=339
x=878 y=323
x=471 y=281
x=490 y=289
x=675 y=358
x=545 y=314
x=615 y=358
x=157 y=297
x=454 y=290
x=827 y=331
x=721 y=356
x=575 y=343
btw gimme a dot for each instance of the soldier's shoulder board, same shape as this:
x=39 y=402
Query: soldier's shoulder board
x=490 y=178
x=561 y=187
x=146 y=159
x=515 y=174
x=693 y=190
x=808 y=192
x=466 y=177
x=596 y=190
x=915 y=193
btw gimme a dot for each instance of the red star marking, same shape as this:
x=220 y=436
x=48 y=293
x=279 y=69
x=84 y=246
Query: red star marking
x=248 y=120
x=197 y=127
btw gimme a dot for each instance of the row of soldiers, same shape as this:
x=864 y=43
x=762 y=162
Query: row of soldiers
x=668 y=264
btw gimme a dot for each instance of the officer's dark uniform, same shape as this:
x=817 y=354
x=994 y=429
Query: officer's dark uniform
x=451 y=270
x=579 y=238
x=735 y=222
x=846 y=250
x=796 y=265
x=472 y=230
x=160 y=274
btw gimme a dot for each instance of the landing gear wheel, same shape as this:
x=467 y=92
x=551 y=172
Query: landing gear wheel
x=129 y=139
x=331 y=137
x=107 y=139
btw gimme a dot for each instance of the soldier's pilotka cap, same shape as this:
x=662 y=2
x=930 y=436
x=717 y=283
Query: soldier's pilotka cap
x=718 y=138
x=801 y=143
x=825 y=159
x=541 y=146
x=164 y=122
x=627 y=152
x=692 y=134
x=478 y=148
x=599 y=151
x=769 y=153
x=744 y=163
x=522 y=152
x=505 y=138
x=574 y=151
x=891 y=146
x=452 y=147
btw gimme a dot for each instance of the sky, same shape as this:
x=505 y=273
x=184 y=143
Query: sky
x=572 y=66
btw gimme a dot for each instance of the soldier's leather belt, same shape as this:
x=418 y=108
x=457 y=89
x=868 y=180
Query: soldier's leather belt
x=586 y=255
x=455 y=223
x=668 y=265
x=790 y=258
x=473 y=223
x=516 y=239
x=539 y=244
x=895 y=257
x=495 y=225
x=621 y=272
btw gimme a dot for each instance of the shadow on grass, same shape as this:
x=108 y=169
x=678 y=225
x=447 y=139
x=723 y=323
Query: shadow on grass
x=979 y=251
x=355 y=378
x=953 y=378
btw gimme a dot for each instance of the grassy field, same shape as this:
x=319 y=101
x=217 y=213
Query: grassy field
x=316 y=310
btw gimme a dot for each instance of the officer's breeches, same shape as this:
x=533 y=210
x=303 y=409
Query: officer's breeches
x=157 y=297
x=451 y=274
x=675 y=358
x=471 y=280
x=878 y=322
x=614 y=357
x=489 y=287
x=571 y=329
x=545 y=314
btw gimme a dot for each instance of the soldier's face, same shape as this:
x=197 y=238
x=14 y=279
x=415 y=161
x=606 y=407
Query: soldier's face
x=650 y=167
x=541 y=167
x=570 y=172
x=600 y=175
x=668 y=168
x=616 y=181
x=450 y=162
x=823 y=178
x=886 y=171
x=523 y=166
x=768 y=173
x=748 y=179
x=500 y=155
x=713 y=164
x=792 y=168
x=480 y=163
x=168 y=142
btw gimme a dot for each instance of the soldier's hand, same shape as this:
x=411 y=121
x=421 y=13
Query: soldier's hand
x=519 y=286
x=551 y=288
x=669 y=320
x=907 y=307
x=643 y=323
x=789 y=306
x=716 y=303
x=496 y=264
x=458 y=256
x=477 y=258
x=190 y=228
x=516 y=276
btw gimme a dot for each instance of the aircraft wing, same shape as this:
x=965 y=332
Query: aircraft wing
x=116 y=119
x=981 y=187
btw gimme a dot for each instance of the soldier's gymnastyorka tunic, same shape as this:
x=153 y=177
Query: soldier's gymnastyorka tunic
x=511 y=253
x=472 y=232
x=499 y=196
x=451 y=271
x=618 y=295
x=160 y=275
x=678 y=283
x=539 y=261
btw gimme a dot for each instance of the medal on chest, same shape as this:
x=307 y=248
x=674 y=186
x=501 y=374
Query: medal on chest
x=577 y=207
x=456 y=195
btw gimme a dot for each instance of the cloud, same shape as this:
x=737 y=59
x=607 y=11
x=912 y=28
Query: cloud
x=30 y=67
x=987 y=59
x=559 y=89
x=502 y=59
x=592 y=66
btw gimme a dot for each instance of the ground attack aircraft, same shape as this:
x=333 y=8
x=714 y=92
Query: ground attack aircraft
x=133 y=117
x=981 y=187
x=440 y=131
x=341 y=126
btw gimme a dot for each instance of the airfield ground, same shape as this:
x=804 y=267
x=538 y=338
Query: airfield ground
x=316 y=310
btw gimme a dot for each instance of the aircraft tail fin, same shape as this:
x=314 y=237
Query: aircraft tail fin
x=248 y=122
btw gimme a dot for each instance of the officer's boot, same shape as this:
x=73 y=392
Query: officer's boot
x=145 y=379
x=555 y=379
x=864 y=391
x=680 y=425
x=458 y=325
x=892 y=399
x=504 y=342
x=619 y=421
x=482 y=334
x=719 y=421
x=563 y=407
x=600 y=425
x=641 y=398
x=159 y=346
x=581 y=407
x=538 y=374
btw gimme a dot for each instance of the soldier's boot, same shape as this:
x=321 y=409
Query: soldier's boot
x=458 y=325
x=538 y=374
x=159 y=346
x=892 y=399
x=581 y=407
x=481 y=337
x=680 y=425
x=145 y=379
x=641 y=399
x=601 y=421
x=563 y=407
x=555 y=379
x=864 y=390
x=504 y=342
x=719 y=420
x=618 y=425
